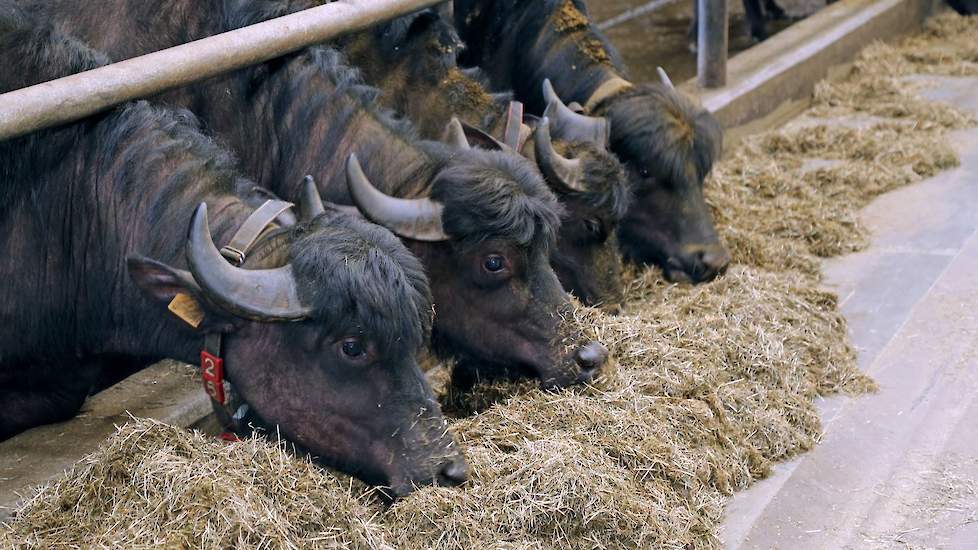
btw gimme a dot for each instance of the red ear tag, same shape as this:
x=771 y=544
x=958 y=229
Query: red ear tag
x=212 y=371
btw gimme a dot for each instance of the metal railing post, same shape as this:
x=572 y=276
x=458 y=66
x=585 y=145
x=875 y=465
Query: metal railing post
x=711 y=53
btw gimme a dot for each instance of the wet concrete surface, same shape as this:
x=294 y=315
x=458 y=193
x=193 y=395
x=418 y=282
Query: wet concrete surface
x=661 y=37
x=897 y=469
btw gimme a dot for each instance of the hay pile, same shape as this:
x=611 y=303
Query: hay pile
x=712 y=384
x=155 y=486
x=781 y=211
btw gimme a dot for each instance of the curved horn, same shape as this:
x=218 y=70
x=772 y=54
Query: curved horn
x=311 y=204
x=571 y=126
x=418 y=219
x=561 y=172
x=256 y=294
x=664 y=78
x=455 y=135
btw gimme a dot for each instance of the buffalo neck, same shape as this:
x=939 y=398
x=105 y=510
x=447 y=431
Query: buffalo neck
x=128 y=28
x=519 y=44
x=156 y=227
x=308 y=116
x=128 y=186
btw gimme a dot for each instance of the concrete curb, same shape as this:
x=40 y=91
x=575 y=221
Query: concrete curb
x=787 y=66
x=168 y=391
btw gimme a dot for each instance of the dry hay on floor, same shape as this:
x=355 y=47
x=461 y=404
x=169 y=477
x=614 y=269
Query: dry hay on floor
x=779 y=212
x=710 y=386
x=155 y=486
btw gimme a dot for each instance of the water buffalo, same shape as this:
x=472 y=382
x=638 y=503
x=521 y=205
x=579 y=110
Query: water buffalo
x=667 y=144
x=413 y=60
x=481 y=222
x=320 y=325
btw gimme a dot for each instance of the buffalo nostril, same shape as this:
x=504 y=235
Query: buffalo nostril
x=705 y=263
x=455 y=472
x=715 y=259
x=592 y=356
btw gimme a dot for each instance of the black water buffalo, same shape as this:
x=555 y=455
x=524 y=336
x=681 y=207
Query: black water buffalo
x=481 y=222
x=413 y=60
x=668 y=144
x=320 y=326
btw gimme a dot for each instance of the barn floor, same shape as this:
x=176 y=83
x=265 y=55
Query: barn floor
x=898 y=469
x=662 y=33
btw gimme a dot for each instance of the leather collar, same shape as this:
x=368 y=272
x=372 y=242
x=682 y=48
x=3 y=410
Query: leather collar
x=607 y=90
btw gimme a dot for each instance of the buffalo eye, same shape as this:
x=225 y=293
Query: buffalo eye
x=352 y=348
x=644 y=172
x=596 y=229
x=494 y=263
x=593 y=226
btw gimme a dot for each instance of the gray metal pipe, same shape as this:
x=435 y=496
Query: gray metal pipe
x=711 y=53
x=77 y=96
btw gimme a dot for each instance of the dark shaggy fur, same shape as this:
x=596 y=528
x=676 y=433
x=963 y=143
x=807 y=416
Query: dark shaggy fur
x=47 y=63
x=379 y=286
x=608 y=191
x=309 y=67
x=520 y=43
x=241 y=13
x=486 y=194
x=17 y=31
x=489 y=194
x=685 y=140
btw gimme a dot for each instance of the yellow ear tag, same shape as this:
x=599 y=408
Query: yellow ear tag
x=187 y=309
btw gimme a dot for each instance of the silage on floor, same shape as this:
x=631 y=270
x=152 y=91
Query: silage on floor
x=710 y=385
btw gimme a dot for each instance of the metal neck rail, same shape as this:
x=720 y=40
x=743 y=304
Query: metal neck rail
x=77 y=96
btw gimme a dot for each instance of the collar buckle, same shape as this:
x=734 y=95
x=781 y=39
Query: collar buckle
x=233 y=255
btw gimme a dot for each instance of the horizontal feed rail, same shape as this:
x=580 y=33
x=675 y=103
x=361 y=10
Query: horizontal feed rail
x=77 y=96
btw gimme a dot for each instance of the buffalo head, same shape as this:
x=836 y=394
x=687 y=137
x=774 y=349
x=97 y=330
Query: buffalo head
x=571 y=151
x=484 y=229
x=321 y=329
x=668 y=146
x=589 y=183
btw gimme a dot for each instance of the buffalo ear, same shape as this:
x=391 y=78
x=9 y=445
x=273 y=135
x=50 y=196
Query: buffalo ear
x=179 y=293
x=481 y=139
